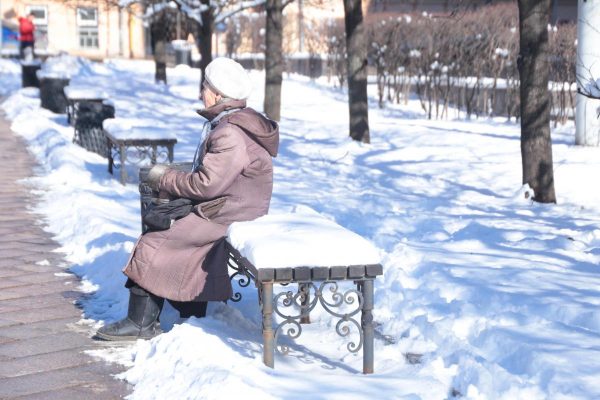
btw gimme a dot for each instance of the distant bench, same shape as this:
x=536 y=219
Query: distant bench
x=133 y=140
x=87 y=108
x=77 y=94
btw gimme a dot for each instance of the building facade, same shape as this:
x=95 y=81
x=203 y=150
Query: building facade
x=562 y=10
x=91 y=28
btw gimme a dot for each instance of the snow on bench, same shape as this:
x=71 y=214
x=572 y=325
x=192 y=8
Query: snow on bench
x=143 y=135
x=80 y=92
x=77 y=94
x=314 y=252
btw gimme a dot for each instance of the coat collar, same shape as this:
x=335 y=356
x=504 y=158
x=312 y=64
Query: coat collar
x=211 y=112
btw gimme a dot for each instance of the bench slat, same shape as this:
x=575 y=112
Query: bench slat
x=302 y=274
x=265 y=275
x=320 y=273
x=373 y=270
x=338 y=272
x=284 y=274
x=356 y=271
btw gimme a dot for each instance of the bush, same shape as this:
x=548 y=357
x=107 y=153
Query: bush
x=468 y=59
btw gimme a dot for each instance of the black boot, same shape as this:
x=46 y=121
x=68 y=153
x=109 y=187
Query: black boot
x=141 y=321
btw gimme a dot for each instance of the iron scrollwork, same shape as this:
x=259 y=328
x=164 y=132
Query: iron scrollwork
x=245 y=277
x=138 y=154
x=330 y=298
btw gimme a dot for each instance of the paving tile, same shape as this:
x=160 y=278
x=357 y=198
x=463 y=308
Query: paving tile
x=32 y=256
x=43 y=277
x=6 y=340
x=40 y=301
x=32 y=267
x=37 y=329
x=20 y=236
x=6 y=307
x=15 y=253
x=36 y=289
x=37 y=240
x=6 y=283
x=41 y=314
x=44 y=344
x=93 y=390
x=6 y=322
x=46 y=248
x=7 y=272
x=54 y=380
x=44 y=362
x=30 y=247
x=9 y=262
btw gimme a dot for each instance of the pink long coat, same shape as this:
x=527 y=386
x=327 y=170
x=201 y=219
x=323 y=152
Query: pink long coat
x=187 y=262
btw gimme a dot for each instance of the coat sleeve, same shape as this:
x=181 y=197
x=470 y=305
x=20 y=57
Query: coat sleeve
x=223 y=162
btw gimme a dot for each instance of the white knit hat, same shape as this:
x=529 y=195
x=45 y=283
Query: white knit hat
x=229 y=78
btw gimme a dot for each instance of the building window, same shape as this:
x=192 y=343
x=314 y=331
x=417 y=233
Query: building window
x=87 y=27
x=40 y=14
x=88 y=37
x=87 y=16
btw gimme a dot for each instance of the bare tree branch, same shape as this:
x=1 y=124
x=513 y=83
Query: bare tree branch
x=588 y=86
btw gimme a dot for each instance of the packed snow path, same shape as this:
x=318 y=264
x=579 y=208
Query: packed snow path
x=42 y=342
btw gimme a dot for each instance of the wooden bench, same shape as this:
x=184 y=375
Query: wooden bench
x=133 y=141
x=315 y=279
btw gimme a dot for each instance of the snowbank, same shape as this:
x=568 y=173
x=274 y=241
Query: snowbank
x=485 y=295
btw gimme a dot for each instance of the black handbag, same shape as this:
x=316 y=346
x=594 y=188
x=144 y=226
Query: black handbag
x=160 y=217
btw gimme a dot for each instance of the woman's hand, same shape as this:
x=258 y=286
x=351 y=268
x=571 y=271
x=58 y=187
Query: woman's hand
x=154 y=175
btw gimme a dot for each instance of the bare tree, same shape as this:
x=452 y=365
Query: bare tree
x=536 y=143
x=589 y=88
x=356 y=47
x=273 y=59
x=562 y=71
x=203 y=15
x=233 y=38
x=336 y=49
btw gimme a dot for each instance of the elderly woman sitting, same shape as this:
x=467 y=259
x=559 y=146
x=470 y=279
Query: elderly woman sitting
x=231 y=180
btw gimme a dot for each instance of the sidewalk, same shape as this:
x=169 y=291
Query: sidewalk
x=41 y=346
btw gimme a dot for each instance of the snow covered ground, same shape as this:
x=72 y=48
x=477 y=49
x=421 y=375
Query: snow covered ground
x=485 y=295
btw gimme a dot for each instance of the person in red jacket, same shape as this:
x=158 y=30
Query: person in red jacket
x=26 y=34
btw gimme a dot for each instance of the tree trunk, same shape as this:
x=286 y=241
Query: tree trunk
x=356 y=46
x=536 y=143
x=204 y=40
x=273 y=59
x=159 y=49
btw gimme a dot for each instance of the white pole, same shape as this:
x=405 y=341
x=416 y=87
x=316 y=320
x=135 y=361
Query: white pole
x=587 y=122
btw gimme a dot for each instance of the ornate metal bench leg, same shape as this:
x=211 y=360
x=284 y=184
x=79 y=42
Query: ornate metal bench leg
x=123 y=157
x=266 y=292
x=366 y=287
x=304 y=304
x=153 y=154
x=111 y=161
